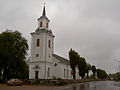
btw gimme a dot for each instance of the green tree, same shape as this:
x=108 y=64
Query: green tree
x=74 y=57
x=82 y=66
x=93 y=70
x=101 y=74
x=13 y=49
x=88 y=68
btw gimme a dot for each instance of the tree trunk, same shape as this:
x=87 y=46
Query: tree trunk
x=6 y=74
x=74 y=74
x=87 y=74
x=0 y=74
x=94 y=75
x=82 y=77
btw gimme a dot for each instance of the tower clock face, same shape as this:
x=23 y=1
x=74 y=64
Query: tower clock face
x=37 y=55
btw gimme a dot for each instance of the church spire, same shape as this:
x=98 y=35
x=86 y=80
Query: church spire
x=43 y=21
x=44 y=12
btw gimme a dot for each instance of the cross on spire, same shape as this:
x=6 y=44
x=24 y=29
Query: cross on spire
x=44 y=4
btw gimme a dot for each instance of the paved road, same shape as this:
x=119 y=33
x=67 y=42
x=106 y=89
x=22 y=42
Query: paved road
x=99 y=85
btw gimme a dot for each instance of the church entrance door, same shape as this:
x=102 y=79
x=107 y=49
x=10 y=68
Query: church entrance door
x=36 y=74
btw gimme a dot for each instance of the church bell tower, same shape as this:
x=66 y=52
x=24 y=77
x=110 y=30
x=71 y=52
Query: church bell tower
x=43 y=21
x=42 y=41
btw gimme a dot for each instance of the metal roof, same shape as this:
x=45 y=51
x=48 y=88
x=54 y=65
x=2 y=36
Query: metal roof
x=61 y=59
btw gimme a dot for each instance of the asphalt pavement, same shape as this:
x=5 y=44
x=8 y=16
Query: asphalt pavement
x=95 y=85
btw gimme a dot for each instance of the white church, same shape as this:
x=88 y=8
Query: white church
x=43 y=63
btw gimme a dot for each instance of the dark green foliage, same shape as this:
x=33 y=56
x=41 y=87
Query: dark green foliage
x=93 y=70
x=74 y=57
x=88 y=68
x=82 y=66
x=117 y=75
x=101 y=74
x=13 y=49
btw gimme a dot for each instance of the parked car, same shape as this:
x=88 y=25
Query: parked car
x=14 y=82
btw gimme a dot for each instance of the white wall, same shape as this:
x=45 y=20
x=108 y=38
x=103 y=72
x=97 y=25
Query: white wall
x=44 y=23
x=45 y=59
x=58 y=71
x=42 y=70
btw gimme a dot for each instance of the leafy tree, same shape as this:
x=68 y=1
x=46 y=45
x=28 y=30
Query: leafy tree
x=101 y=74
x=94 y=70
x=82 y=66
x=74 y=57
x=13 y=49
x=88 y=68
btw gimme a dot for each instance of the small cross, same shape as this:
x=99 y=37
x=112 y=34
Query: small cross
x=44 y=4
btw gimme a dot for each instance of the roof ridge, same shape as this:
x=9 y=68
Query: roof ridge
x=61 y=57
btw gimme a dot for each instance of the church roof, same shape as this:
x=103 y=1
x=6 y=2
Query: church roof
x=44 y=15
x=61 y=59
x=43 y=29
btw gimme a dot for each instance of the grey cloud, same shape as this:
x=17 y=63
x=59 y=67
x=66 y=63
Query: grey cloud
x=91 y=27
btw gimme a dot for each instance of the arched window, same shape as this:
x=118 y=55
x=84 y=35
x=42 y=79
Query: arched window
x=46 y=25
x=49 y=44
x=40 y=24
x=38 y=43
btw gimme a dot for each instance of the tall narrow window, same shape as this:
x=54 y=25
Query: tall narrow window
x=67 y=73
x=38 y=43
x=49 y=55
x=40 y=24
x=64 y=73
x=49 y=44
x=46 y=25
x=48 y=72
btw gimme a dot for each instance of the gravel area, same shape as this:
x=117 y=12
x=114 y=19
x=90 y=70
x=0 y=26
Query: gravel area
x=27 y=87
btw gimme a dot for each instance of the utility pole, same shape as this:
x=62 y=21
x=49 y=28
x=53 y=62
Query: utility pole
x=118 y=61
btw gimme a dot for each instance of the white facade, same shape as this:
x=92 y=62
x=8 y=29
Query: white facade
x=43 y=63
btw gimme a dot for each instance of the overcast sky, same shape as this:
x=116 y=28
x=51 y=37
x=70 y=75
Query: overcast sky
x=91 y=27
